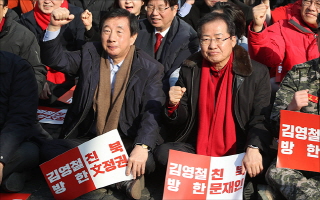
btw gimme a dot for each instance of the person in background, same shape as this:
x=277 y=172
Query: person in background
x=202 y=7
x=37 y=22
x=237 y=16
x=300 y=83
x=135 y=7
x=17 y=39
x=21 y=6
x=166 y=37
x=97 y=7
x=277 y=46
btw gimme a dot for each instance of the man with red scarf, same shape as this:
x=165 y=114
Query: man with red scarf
x=219 y=101
x=37 y=21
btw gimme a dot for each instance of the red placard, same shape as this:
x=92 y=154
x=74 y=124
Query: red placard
x=14 y=196
x=299 y=141
x=68 y=176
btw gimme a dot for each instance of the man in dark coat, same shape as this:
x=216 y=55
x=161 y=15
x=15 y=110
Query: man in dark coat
x=112 y=67
x=73 y=38
x=219 y=101
x=17 y=39
x=178 y=40
x=18 y=116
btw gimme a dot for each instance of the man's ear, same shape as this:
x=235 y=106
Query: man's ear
x=133 y=38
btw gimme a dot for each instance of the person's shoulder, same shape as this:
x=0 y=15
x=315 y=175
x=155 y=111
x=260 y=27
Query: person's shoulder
x=145 y=59
x=306 y=65
x=12 y=62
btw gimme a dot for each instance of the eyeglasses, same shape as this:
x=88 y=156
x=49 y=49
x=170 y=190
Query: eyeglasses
x=159 y=9
x=309 y=2
x=218 y=41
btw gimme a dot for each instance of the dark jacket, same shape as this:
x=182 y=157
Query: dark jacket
x=200 y=9
x=73 y=32
x=141 y=109
x=180 y=42
x=251 y=94
x=17 y=39
x=18 y=103
x=97 y=7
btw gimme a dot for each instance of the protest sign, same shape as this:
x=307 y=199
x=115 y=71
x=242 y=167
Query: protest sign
x=51 y=115
x=14 y=196
x=299 y=141
x=94 y=164
x=192 y=176
x=67 y=97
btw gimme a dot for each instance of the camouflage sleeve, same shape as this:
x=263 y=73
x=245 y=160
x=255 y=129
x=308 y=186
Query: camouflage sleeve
x=284 y=95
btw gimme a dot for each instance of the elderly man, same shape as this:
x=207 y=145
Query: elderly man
x=166 y=37
x=298 y=92
x=220 y=100
x=119 y=88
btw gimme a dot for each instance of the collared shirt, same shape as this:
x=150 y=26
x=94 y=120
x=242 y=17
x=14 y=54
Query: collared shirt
x=163 y=33
x=113 y=71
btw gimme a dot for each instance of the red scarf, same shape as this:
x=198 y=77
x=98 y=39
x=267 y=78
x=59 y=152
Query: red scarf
x=2 y=23
x=43 y=21
x=217 y=131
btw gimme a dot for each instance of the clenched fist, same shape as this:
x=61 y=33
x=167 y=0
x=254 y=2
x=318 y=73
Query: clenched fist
x=59 y=17
x=299 y=100
x=259 y=15
x=175 y=94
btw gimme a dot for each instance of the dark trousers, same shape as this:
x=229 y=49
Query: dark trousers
x=53 y=148
x=161 y=153
x=25 y=158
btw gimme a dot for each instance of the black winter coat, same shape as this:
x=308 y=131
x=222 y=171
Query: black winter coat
x=17 y=39
x=200 y=9
x=18 y=103
x=73 y=32
x=97 y=7
x=180 y=42
x=141 y=109
x=251 y=95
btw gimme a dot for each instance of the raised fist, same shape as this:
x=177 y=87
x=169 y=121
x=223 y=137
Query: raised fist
x=86 y=18
x=175 y=95
x=259 y=15
x=59 y=17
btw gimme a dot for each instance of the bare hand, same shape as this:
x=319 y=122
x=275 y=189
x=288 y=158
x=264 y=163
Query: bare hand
x=299 y=100
x=252 y=162
x=45 y=93
x=259 y=16
x=1 y=172
x=175 y=95
x=86 y=18
x=59 y=17
x=137 y=161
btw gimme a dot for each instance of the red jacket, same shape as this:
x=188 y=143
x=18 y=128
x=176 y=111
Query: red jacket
x=286 y=43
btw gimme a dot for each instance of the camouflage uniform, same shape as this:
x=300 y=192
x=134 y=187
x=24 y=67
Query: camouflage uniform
x=296 y=184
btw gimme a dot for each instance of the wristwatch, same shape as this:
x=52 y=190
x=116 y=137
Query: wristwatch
x=253 y=146
x=143 y=146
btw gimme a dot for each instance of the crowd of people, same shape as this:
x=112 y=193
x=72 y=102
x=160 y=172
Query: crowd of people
x=207 y=77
